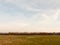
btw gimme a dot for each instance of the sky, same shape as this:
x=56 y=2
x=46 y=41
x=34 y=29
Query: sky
x=29 y=15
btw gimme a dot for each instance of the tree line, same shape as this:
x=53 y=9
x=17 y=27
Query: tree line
x=31 y=33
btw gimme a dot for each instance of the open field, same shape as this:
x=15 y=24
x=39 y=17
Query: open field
x=29 y=40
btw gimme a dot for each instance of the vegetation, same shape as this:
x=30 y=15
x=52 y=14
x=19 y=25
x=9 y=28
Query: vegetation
x=29 y=40
x=31 y=33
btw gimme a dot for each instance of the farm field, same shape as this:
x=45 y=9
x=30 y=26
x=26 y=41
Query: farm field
x=29 y=40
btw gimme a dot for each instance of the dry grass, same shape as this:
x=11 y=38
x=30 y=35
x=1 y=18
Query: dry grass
x=29 y=40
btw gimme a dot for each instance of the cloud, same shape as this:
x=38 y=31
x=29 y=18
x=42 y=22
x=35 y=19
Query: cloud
x=37 y=22
x=35 y=5
x=29 y=15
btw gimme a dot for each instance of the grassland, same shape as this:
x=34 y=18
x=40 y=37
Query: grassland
x=29 y=40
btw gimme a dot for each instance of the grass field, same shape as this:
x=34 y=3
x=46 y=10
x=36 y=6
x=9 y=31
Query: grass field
x=29 y=40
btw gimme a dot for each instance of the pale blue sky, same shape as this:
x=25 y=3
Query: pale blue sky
x=29 y=15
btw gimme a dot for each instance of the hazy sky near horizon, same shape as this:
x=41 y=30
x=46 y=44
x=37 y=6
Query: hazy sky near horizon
x=29 y=15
